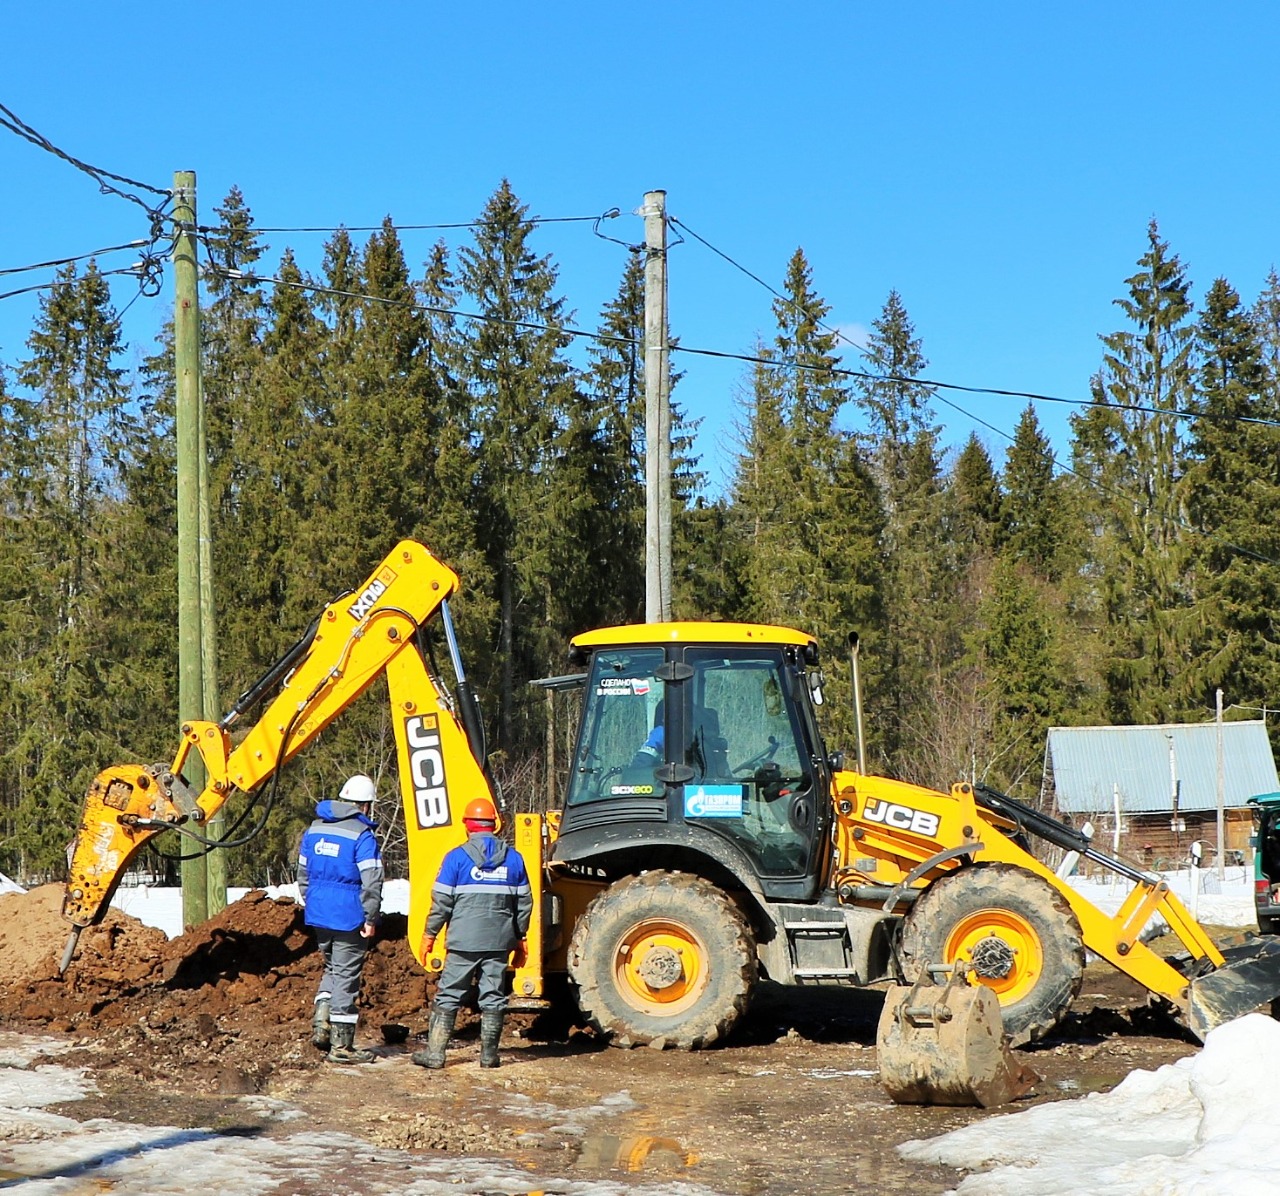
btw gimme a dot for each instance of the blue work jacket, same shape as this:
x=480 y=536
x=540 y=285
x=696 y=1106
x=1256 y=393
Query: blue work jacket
x=340 y=869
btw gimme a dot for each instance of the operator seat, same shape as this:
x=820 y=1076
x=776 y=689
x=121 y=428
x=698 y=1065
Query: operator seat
x=706 y=735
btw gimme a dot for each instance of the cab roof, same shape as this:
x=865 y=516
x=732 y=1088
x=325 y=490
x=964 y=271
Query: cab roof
x=692 y=633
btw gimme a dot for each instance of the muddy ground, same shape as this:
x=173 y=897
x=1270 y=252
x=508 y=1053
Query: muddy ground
x=173 y=1032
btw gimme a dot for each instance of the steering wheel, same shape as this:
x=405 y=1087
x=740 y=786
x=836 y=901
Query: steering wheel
x=748 y=768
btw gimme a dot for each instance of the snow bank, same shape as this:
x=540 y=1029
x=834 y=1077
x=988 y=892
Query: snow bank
x=1215 y=902
x=162 y=907
x=1201 y=1125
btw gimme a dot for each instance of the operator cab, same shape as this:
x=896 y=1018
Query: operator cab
x=701 y=736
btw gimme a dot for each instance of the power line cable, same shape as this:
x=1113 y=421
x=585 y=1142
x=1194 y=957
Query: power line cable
x=568 y=330
x=934 y=384
x=1118 y=495
x=79 y=257
x=213 y=230
x=776 y=364
x=15 y=124
x=320 y=289
x=133 y=270
x=1031 y=395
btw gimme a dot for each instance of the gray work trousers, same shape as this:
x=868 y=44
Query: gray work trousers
x=455 y=979
x=344 y=952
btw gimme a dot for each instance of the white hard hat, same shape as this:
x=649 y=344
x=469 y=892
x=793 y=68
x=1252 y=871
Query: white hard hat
x=358 y=788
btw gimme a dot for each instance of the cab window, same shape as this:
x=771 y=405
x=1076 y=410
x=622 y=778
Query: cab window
x=623 y=737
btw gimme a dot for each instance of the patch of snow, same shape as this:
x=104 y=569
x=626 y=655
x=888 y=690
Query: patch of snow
x=1228 y=902
x=1200 y=1125
x=36 y=1087
x=833 y=1073
x=22 y=1050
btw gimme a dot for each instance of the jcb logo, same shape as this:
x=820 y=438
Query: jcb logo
x=368 y=596
x=902 y=818
x=426 y=770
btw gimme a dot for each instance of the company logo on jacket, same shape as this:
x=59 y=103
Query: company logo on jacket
x=498 y=873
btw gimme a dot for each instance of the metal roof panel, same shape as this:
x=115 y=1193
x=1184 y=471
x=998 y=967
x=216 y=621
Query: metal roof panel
x=1143 y=762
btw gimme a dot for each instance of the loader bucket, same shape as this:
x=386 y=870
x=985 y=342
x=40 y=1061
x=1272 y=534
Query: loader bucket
x=945 y=1045
x=1250 y=977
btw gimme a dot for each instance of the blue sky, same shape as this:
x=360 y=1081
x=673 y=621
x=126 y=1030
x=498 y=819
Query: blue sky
x=996 y=164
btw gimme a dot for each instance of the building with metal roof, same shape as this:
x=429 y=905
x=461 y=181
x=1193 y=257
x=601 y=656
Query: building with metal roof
x=1156 y=787
x=1147 y=764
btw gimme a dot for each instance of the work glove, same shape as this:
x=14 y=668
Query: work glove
x=520 y=956
x=368 y=930
x=428 y=943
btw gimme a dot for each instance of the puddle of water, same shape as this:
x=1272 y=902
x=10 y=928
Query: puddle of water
x=636 y=1153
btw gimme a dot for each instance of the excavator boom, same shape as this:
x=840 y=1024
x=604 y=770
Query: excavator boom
x=357 y=638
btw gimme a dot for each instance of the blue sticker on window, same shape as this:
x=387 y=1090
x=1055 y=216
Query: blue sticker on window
x=714 y=801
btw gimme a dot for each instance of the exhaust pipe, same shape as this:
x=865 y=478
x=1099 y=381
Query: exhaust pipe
x=857 y=700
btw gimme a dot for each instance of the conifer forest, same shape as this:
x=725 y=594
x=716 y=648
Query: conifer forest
x=997 y=591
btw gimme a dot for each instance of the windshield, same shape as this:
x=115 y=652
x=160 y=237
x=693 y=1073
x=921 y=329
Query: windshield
x=622 y=739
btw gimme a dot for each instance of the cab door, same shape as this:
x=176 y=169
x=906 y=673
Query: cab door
x=754 y=775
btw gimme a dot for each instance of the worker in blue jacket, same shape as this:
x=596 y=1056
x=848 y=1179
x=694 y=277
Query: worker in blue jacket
x=482 y=894
x=340 y=882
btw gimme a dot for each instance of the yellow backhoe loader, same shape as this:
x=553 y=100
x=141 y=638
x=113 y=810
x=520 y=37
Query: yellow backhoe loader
x=707 y=840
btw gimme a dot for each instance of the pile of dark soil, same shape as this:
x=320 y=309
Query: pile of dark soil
x=233 y=996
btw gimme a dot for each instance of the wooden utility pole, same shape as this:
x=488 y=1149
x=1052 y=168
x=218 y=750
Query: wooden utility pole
x=657 y=413
x=1222 y=798
x=186 y=361
x=215 y=861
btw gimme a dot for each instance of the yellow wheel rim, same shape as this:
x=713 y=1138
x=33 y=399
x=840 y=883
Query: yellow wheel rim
x=1003 y=948
x=660 y=967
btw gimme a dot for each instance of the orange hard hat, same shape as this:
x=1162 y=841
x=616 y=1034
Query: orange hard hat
x=480 y=809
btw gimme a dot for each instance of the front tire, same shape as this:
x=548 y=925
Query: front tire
x=663 y=960
x=1018 y=932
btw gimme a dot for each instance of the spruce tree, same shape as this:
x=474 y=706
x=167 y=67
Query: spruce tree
x=977 y=497
x=1025 y=677
x=77 y=431
x=600 y=470
x=1032 y=515
x=520 y=386
x=921 y=580
x=1128 y=448
x=1233 y=499
x=808 y=511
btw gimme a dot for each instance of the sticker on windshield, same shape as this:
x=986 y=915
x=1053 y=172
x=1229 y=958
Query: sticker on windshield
x=714 y=801
x=618 y=686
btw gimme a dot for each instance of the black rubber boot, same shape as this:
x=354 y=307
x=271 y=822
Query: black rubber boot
x=320 y=1024
x=490 y=1033
x=439 y=1031
x=343 y=1047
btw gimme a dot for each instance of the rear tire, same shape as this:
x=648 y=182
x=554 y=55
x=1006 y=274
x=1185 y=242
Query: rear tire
x=1019 y=932
x=663 y=960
